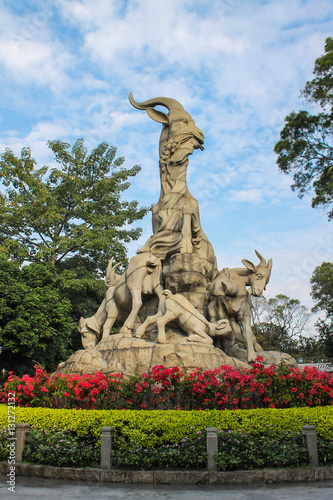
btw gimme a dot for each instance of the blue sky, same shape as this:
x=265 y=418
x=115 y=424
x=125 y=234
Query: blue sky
x=237 y=66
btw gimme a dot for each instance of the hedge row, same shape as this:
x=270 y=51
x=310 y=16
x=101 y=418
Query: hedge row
x=237 y=450
x=149 y=429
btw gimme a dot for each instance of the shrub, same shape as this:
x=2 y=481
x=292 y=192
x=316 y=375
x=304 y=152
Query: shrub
x=238 y=450
x=148 y=429
x=61 y=448
x=241 y=450
x=189 y=453
x=4 y=450
x=169 y=388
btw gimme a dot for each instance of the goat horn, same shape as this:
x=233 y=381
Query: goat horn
x=111 y=269
x=262 y=260
x=167 y=102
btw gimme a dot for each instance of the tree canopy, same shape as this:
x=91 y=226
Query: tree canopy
x=70 y=214
x=35 y=317
x=305 y=149
x=322 y=294
x=279 y=324
x=59 y=226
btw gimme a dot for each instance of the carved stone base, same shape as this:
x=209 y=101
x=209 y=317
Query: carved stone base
x=131 y=356
x=269 y=357
x=184 y=274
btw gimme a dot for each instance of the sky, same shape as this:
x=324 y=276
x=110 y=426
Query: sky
x=237 y=66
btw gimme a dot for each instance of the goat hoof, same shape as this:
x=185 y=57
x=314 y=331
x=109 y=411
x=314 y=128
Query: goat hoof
x=126 y=331
x=139 y=333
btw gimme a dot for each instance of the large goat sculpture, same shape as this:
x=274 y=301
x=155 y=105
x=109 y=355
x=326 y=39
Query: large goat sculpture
x=176 y=220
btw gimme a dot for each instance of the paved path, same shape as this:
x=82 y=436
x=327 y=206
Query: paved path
x=50 y=489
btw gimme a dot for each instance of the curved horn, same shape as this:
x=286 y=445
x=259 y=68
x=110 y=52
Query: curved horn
x=111 y=272
x=262 y=260
x=167 y=102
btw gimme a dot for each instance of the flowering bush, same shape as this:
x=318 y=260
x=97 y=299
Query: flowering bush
x=170 y=388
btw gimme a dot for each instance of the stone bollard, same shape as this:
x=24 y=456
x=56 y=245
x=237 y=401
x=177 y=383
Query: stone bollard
x=310 y=439
x=21 y=434
x=212 y=449
x=106 y=447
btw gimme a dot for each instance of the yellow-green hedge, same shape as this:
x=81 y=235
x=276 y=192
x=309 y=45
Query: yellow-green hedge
x=149 y=428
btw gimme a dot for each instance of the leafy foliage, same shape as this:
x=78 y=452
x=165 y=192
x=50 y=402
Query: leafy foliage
x=238 y=449
x=71 y=215
x=306 y=145
x=322 y=288
x=322 y=293
x=35 y=319
x=62 y=448
x=189 y=453
x=154 y=429
x=248 y=450
x=278 y=324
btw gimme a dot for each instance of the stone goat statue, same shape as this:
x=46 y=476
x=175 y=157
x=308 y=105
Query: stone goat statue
x=176 y=221
x=177 y=307
x=123 y=298
x=229 y=298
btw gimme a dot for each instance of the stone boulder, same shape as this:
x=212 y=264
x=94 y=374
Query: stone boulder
x=269 y=357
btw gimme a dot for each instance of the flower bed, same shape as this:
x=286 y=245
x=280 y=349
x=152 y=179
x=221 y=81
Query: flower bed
x=167 y=388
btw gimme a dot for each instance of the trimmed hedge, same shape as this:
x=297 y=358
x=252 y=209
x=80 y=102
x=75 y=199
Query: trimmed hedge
x=149 y=429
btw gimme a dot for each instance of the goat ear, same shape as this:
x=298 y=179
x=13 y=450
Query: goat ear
x=249 y=265
x=158 y=116
x=270 y=264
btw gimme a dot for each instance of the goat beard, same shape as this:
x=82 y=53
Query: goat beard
x=185 y=149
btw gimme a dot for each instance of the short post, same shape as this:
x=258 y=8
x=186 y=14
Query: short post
x=21 y=434
x=106 y=447
x=212 y=449
x=310 y=439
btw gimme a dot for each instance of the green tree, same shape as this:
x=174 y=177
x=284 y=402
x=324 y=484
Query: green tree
x=35 y=318
x=322 y=294
x=278 y=324
x=306 y=146
x=71 y=215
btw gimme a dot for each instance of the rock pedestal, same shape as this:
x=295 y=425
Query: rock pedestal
x=131 y=356
x=269 y=357
x=184 y=274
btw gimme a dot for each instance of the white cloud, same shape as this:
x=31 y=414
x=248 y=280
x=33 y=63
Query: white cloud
x=251 y=195
x=34 y=62
x=236 y=66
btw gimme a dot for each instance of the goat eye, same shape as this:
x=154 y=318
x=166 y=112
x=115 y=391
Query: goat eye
x=184 y=120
